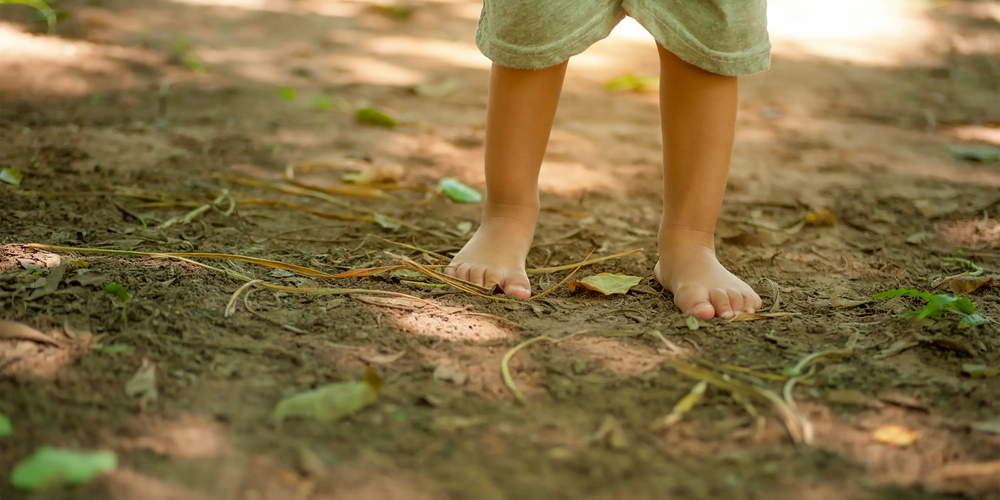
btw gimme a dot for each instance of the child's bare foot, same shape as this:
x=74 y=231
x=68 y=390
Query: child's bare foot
x=496 y=253
x=701 y=286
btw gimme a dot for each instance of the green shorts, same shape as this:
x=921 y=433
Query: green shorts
x=728 y=37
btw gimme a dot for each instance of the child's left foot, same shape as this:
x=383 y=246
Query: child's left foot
x=689 y=268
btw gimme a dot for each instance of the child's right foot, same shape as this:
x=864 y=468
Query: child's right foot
x=496 y=253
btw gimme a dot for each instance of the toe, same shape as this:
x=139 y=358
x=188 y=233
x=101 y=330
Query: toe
x=720 y=300
x=449 y=271
x=517 y=285
x=462 y=271
x=736 y=302
x=477 y=275
x=751 y=302
x=492 y=277
x=694 y=302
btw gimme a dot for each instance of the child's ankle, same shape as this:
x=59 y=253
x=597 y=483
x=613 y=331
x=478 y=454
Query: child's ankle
x=672 y=236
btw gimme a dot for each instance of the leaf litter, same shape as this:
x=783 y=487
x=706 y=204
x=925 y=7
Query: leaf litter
x=332 y=401
x=51 y=467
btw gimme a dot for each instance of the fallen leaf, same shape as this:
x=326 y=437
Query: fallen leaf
x=117 y=290
x=397 y=11
x=606 y=283
x=980 y=371
x=634 y=83
x=612 y=433
x=682 y=407
x=52 y=281
x=963 y=285
x=977 y=152
x=287 y=93
x=905 y=401
x=368 y=115
x=386 y=222
x=449 y=374
x=764 y=315
x=332 y=401
x=383 y=174
x=842 y=303
x=86 y=277
x=143 y=383
x=10 y=330
x=692 y=323
x=987 y=426
x=436 y=89
x=460 y=192
x=50 y=467
x=894 y=435
x=454 y=422
x=852 y=397
x=821 y=218
x=936 y=208
x=11 y=176
x=383 y=359
x=282 y=273
x=920 y=238
x=6 y=428
x=896 y=348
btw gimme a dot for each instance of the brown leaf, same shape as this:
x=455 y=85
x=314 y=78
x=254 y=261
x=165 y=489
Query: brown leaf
x=762 y=315
x=905 y=401
x=143 y=383
x=821 y=218
x=962 y=285
x=852 y=397
x=384 y=174
x=894 y=435
x=606 y=283
x=611 y=432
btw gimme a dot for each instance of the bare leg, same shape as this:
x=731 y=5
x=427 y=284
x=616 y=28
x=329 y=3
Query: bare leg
x=698 y=120
x=522 y=106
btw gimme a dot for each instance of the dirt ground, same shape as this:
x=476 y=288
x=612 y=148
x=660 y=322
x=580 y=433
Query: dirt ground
x=115 y=133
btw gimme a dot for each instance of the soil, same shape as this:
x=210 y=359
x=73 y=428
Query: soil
x=115 y=134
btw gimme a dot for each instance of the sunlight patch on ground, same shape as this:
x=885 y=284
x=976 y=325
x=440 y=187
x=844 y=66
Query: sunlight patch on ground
x=456 y=53
x=187 y=437
x=977 y=133
x=614 y=355
x=452 y=327
x=29 y=353
x=972 y=232
x=572 y=179
x=876 y=32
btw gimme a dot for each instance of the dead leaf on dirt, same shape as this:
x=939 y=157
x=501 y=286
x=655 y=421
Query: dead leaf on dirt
x=386 y=222
x=899 y=399
x=463 y=228
x=980 y=371
x=988 y=426
x=52 y=281
x=682 y=407
x=10 y=330
x=606 y=283
x=936 y=208
x=842 y=303
x=852 y=397
x=384 y=174
x=39 y=260
x=920 y=238
x=765 y=315
x=86 y=277
x=143 y=384
x=448 y=374
x=894 y=435
x=821 y=218
x=896 y=348
x=685 y=322
x=332 y=401
x=383 y=359
x=454 y=422
x=692 y=323
x=962 y=285
x=611 y=433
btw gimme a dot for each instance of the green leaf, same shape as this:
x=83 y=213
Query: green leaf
x=977 y=152
x=606 y=283
x=118 y=291
x=11 y=175
x=368 y=115
x=935 y=306
x=6 y=428
x=903 y=292
x=323 y=103
x=633 y=83
x=56 y=467
x=964 y=305
x=332 y=401
x=40 y=6
x=974 y=319
x=110 y=349
x=287 y=93
x=460 y=192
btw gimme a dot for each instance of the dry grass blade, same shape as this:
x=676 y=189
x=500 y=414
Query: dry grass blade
x=462 y=285
x=775 y=295
x=567 y=267
x=410 y=247
x=682 y=407
x=368 y=271
x=670 y=345
x=344 y=189
x=295 y=190
x=246 y=304
x=754 y=414
x=550 y=290
x=788 y=416
x=816 y=357
x=231 y=306
x=505 y=370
